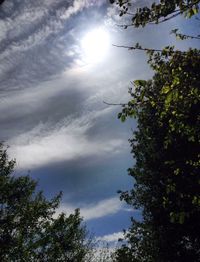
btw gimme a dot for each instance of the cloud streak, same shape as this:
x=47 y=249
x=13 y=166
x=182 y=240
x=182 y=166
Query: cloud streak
x=34 y=38
x=67 y=140
x=96 y=210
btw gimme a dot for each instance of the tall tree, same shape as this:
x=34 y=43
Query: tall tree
x=166 y=147
x=29 y=227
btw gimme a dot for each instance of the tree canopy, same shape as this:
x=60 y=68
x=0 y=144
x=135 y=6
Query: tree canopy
x=157 y=12
x=30 y=230
x=165 y=146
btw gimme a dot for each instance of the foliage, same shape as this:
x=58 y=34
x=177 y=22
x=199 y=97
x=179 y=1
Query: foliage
x=166 y=144
x=29 y=228
x=181 y=36
x=166 y=147
x=101 y=252
x=139 y=245
x=158 y=11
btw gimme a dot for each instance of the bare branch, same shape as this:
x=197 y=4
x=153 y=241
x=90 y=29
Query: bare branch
x=138 y=48
x=115 y=104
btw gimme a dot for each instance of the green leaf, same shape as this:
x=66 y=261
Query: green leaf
x=123 y=118
x=165 y=89
x=140 y=82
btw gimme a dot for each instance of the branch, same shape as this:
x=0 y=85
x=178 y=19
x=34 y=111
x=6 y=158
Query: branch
x=184 y=36
x=151 y=20
x=190 y=36
x=153 y=23
x=138 y=48
x=115 y=104
x=166 y=51
x=166 y=19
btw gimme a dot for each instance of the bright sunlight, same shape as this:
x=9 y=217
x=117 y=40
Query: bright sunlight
x=95 y=45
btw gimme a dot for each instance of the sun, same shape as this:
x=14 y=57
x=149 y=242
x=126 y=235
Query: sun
x=95 y=45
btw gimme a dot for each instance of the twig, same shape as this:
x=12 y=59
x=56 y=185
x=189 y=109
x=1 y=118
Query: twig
x=138 y=48
x=115 y=104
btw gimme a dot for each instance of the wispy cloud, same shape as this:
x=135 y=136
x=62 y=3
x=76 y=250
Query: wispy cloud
x=111 y=237
x=96 y=210
x=66 y=140
x=31 y=23
x=34 y=38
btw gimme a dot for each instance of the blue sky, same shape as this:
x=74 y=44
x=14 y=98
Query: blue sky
x=51 y=101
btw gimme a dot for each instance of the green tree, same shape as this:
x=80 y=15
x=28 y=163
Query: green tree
x=29 y=227
x=101 y=252
x=166 y=147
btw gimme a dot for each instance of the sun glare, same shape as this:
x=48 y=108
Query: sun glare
x=95 y=45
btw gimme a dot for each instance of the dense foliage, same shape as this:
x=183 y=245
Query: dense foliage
x=166 y=146
x=29 y=228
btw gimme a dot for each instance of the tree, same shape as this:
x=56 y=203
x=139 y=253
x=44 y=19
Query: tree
x=101 y=252
x=29 y=228
x=157 y=12
x=166 y=147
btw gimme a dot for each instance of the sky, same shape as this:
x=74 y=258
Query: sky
x=57 y=66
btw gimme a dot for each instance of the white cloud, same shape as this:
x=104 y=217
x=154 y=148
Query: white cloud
x=24 y=30
x=45 y=17
x=95 y=210
x=77 y=6
x=67 y=140
x=45 y=24
x=111 y=237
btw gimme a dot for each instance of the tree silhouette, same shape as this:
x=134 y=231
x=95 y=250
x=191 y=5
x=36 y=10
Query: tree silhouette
x=30 y=230
x=165 y=145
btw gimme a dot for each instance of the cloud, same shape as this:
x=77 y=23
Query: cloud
x=32 y=23
x=34 y=39
x=66 y=140
x=45 y=124
x=96 y=210
x=111 y=237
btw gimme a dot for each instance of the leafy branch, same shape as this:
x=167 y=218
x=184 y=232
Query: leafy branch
x=184 y=36
x=158 y=13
